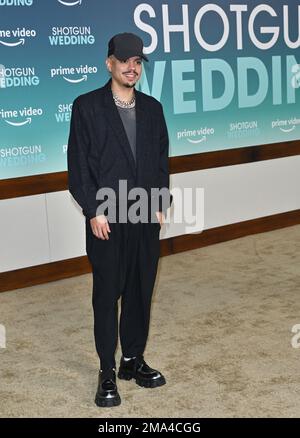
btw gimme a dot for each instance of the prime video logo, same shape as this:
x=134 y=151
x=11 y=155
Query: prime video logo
x=70 y=3
x=16 y=2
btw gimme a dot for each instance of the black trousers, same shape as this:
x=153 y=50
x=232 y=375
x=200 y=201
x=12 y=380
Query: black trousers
x=125 y=267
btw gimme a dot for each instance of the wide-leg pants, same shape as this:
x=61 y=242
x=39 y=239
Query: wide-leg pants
x=124 y=266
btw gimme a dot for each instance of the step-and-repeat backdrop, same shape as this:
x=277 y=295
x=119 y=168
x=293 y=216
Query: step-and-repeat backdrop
x=226 y=72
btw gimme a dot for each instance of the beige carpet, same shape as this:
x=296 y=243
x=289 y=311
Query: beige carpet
x=220 y=332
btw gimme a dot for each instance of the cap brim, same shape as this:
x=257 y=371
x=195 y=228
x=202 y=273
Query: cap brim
x=129 y=55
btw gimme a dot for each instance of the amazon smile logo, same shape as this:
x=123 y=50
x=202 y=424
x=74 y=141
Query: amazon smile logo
x=76 y=81
x=200 y=140
x=70 y=3
x=288 y=129
x=27 y=115
x=18 y=43
x=18 y=35
x=27 y=121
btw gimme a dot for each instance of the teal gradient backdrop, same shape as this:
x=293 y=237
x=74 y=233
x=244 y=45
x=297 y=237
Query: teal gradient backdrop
x=213 y=100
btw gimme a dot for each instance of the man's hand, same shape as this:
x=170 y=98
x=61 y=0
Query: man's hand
x=100 y=227
x=160 y=217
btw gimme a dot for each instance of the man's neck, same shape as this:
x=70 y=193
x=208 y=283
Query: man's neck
x=122 y=92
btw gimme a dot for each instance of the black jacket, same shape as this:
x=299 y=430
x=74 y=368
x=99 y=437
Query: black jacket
x=99 y=153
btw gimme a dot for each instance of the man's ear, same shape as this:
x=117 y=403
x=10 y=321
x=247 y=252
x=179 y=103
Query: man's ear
x=107 y=62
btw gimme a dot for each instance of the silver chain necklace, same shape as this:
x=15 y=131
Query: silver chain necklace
x=123 y=103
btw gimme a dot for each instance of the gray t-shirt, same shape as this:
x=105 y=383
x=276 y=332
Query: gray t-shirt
x=129 y=122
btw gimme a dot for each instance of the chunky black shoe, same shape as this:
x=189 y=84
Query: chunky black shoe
x=138 y=369
x=107 y=393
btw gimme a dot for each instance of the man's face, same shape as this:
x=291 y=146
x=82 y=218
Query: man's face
x=125 y=73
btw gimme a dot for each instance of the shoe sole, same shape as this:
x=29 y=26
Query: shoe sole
x=107 y=402
x=143 y=382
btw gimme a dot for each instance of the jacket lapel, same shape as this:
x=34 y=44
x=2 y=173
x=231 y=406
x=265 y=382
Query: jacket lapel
x=143 y=131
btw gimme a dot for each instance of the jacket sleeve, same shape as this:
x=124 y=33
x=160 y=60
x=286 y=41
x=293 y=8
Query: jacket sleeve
x=81 y=185
x=164 y=178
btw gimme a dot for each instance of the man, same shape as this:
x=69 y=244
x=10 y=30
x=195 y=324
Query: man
x=119 y=134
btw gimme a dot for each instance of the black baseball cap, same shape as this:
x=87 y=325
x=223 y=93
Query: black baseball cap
x=125 y=45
